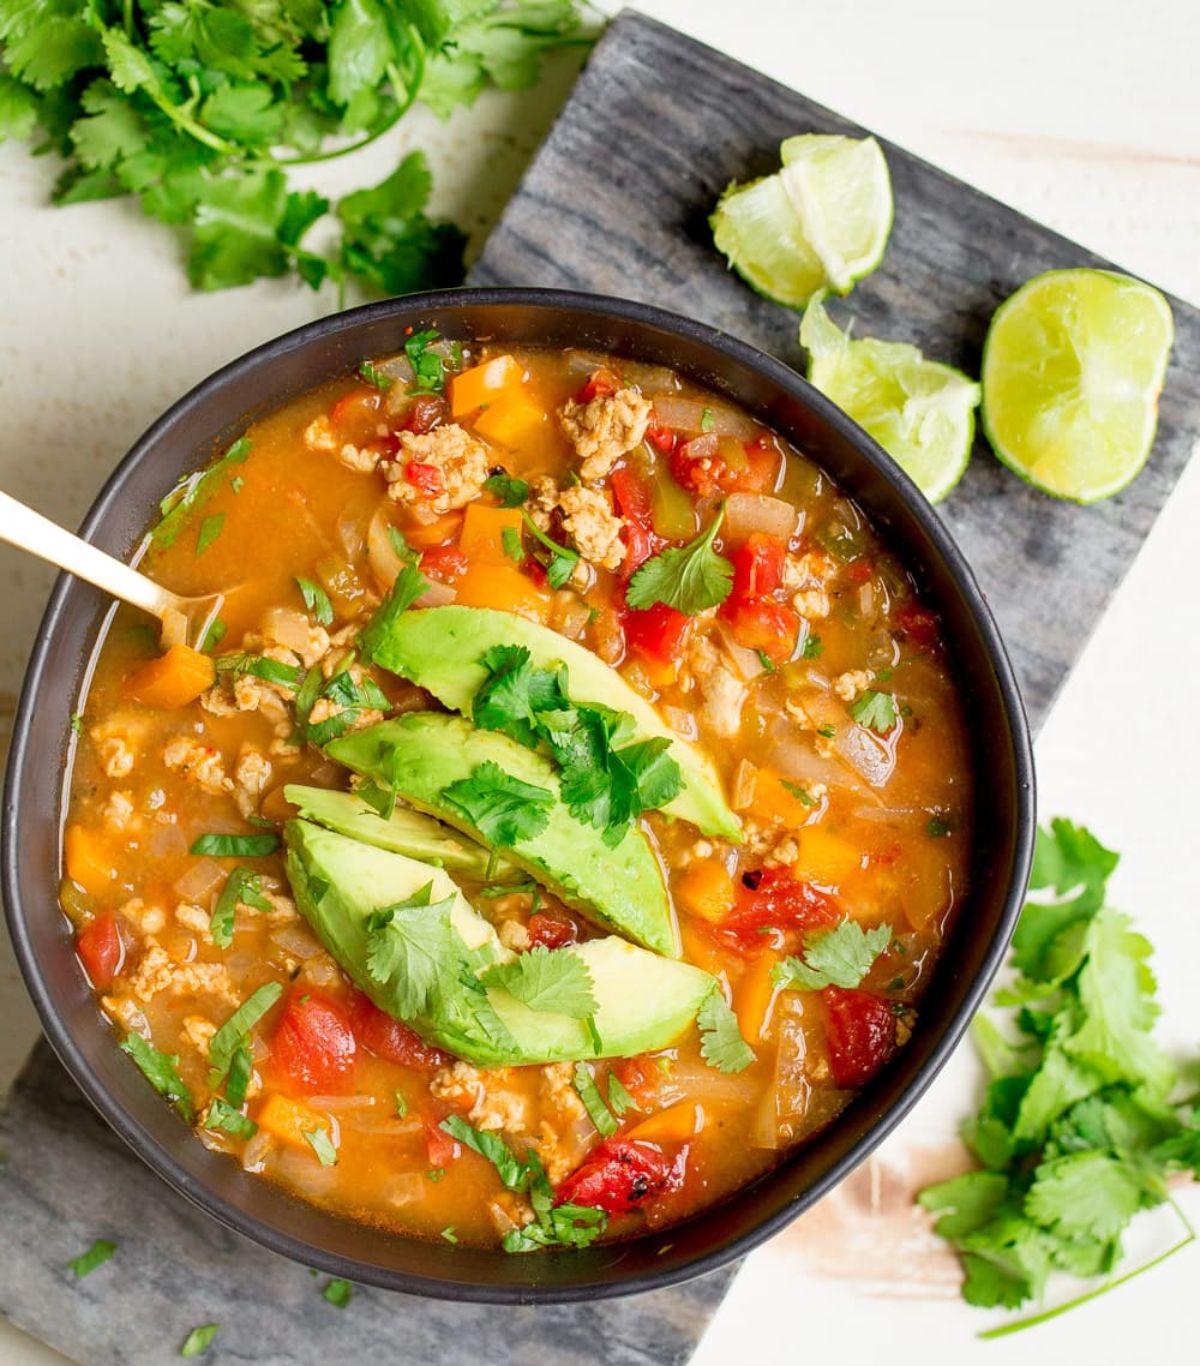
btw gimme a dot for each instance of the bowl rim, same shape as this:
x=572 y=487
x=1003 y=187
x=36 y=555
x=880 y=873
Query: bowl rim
x=793 y=384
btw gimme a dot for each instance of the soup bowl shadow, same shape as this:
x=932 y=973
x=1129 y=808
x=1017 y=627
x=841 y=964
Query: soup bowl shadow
x=38 y=778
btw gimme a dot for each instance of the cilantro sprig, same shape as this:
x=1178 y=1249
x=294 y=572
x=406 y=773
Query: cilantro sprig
x=547 y=980
x=1077 y=1131
x=721 y=1042
x=200 y=110
x=840 y=957
x=690 y=578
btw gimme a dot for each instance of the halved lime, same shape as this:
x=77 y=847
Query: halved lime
x=920 y=411
x=843 y=194
x=1073 y=365
x=822 y=222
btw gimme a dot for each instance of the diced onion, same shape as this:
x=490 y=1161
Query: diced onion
x=296 y=940
x=438 y=594
x=745 y=779
x=285 y=626
x=381 y=554
x=351 y=536
x=746 y=513
x=700 y=447
x=867 y=754
x=687 y=415
x=746 y=663
x=199 y=881
x=256 y=1151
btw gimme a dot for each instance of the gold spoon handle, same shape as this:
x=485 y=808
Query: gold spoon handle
x=29 y=530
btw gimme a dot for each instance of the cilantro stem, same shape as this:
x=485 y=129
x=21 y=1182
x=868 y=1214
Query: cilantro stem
x=1034 y=1319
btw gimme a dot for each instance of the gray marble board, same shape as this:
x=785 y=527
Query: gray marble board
x=616 y=201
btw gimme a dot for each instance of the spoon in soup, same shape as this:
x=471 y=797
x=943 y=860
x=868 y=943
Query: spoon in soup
x=185 y=621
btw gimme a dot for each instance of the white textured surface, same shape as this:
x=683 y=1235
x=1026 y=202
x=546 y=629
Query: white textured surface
x=1084 y=115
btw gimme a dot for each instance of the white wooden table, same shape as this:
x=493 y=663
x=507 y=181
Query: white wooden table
x=1083 y=113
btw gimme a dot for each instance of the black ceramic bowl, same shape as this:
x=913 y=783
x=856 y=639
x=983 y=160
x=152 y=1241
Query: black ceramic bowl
x=39 y=769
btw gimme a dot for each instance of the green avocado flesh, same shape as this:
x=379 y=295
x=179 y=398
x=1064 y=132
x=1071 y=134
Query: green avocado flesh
x=440 y=648
x=643 y=1002
x=403 y=832
x=423 y=753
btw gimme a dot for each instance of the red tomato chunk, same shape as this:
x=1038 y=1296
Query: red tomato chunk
x=621 y=1176
x=313 y=1046
x=386 y=1037
x=101 y=951
x=861 y=1033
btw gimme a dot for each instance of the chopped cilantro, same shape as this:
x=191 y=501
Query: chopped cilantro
x=224 y=1116
x=210 y=528
x=828 y=732
x=505 y=810
x=561 y=564
x=77 y=722
x=235 y=846
x=690 y=578
x=159 y=1069
x=937 y=828
x=509 y=492
x=563 y=1226
x=316 y=600
x=1076 y=1132
x=509 y=1169
x=511 y=540
x=707 y=421
x=401 y=1102
x=875 y=711
x=237 y=1082
x=399 y=543
x=199 y=1340
x=260 y=666
x=429 y=365
x=449 y=1234
x=351 y=696
x=321 y=1144
x=721 y=1042
x=409 y=585
x=435 y=1174
x=375 y=377
x=547 y=980
x=813 y=646
x=195 y=490
x=839 y=957
x=237 y=483
x=411 y=946
x=593 y=1102
x=242 y=887
x=798 y=792
x=619 y=1099
x=232 y=1034
x=338 y=1292
x=213 y=635
x=768 y=664
x=96 y=1255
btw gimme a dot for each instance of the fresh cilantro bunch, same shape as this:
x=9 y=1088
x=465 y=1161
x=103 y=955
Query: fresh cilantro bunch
x=199 y=107
x=1078 y=1130
x=607 y=779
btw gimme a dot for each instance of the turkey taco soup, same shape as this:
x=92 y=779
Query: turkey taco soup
x=558 y=825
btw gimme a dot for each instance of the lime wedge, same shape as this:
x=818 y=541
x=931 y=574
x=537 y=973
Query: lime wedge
x=820 y=223
x=920 y=411
x=843 y=194
x=757 y=228
x=1073 y=366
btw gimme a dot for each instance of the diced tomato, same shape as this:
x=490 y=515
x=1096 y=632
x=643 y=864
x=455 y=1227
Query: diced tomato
x=773 y=900
x=766 y=625
x=757 y=566
x=633 y=502
x=535 y=571
x=387 y=1037
x=918 y=625
x=100 y=950
x=424 y=412
x=662 y=438
x=860 y=571
x=620 y=1176
x=355 y=416
x=860 y=1030
x=600 y=384
x=658 y=633
x=551 y=931
x=313 y=1046
x=698 y=466
x=427 y=478
x=440 y=1148
x=444 y=563
x=641 y=1077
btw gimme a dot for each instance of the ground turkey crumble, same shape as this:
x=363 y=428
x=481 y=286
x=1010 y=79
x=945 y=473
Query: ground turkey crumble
x=456 y=468
x=723 y=692
x=605 y=429
x=319 y=436
x=587 y=518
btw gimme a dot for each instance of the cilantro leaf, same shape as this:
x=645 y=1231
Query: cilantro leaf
x=510 y=492
x=505 y=810
x=228 y=1119
x=562 y=561
x=183 y=500
x=1090 y=1194
x=409 y=585
x=338 y=1292
x=491 y=1146
x=383 y=382
x=875 y=711
x=235 y=846
x=691 y=578
x=316 y=600
x=159 y=1069
x=839 y=957
x=321 y=1144
x=233 y=1033
x=242 y=887
x=547 y=980
x=199 y=1340
x=515 y=692
x=428 y=363
x=96 y=1255
x=410 y=947
x=620 y=1102
x=593 y=1102
x=210 y=528
x=721 y=1042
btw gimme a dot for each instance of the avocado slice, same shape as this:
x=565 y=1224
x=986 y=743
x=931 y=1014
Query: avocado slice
x=620 y=888
x=440 y=648
x=644 y=1002
x=405 y=831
